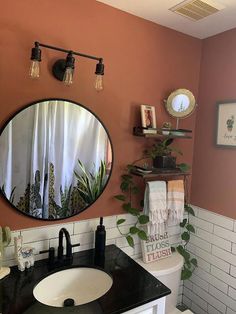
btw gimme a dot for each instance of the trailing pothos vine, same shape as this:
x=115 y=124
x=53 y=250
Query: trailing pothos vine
x=129 y=188
x=190 y=263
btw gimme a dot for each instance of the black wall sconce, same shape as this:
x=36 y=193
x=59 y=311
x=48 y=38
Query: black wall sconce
x=63 y=69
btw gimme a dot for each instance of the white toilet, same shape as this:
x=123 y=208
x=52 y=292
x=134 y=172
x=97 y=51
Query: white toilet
x=168 y=271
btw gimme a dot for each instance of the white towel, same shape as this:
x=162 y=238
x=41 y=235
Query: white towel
x=175 y=201
x=155 y=206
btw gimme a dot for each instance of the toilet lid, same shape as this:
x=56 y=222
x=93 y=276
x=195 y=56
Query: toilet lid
x=164 y=266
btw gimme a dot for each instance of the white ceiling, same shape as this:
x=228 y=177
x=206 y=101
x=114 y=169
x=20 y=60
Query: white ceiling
x=158 y=12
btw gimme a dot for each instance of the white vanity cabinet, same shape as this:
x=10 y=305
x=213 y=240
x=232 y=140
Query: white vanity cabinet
x=154 y=307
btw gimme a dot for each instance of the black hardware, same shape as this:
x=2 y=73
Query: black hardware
x=99 y=68
x=69 y=246
x=68 y=51
x=69 y=249
x=36 y=53
x=51 y=255
x=59 y=67
x=69 y=302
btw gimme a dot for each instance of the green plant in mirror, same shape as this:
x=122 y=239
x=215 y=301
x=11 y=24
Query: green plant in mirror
x=129 y=188
x=190 y=263
x=91 y=184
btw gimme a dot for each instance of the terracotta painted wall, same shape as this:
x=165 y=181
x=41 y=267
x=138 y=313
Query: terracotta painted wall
x=214 y=175
x=143 y=61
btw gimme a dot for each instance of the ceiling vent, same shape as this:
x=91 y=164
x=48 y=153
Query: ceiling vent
x=197 y=9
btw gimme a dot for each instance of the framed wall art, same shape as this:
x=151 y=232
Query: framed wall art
x=226 y=124
x=148 y=117
x=156 y=247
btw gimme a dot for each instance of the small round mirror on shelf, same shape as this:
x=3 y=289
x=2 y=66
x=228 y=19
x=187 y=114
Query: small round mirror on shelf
x=181 y=103
x=55 y=159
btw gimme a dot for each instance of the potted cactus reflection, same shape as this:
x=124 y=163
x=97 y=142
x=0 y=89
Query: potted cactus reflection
x=230 y=123
x=5 y=239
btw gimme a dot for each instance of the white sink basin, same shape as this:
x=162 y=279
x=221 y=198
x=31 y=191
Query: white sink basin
x=82 y=284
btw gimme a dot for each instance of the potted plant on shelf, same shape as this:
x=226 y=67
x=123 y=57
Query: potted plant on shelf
x=161 y=151
x=161 y=154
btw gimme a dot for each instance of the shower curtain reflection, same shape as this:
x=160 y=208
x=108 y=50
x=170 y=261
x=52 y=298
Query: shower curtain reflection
x=40 y=151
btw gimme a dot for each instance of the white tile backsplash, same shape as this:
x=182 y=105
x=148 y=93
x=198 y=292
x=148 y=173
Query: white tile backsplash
x=205 y=225
x=214 y=281
x=214 y=239
x=44 y=233
x=82 y=232
x=225 y=234
x=216 y=219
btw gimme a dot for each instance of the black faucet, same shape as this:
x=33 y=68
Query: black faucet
x=51 y=257
x=69 y=246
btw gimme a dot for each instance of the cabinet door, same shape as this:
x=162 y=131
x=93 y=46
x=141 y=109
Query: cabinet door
x=154 y=307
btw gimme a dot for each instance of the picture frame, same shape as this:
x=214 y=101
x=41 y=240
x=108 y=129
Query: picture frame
x=226 y=124
x=148 y=118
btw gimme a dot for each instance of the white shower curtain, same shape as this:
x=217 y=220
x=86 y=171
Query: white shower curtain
x=42 y=144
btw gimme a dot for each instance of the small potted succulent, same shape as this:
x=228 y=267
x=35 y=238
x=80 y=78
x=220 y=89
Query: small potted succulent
x=161 y=151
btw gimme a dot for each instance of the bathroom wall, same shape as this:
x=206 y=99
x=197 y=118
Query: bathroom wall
x=212 y=287
x=214 y=177
x=144 y=62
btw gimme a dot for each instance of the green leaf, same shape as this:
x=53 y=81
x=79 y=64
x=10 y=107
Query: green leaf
x=133 y=211
x=185 y=236
x=124 y=186
x=186 y=256
x=186 y=274
x=194 y=262
x=120 y=197
x=142 y=235
x=190 y=228
x=189 y=210
x=135 y=190
x=130 y=241
x=180 y=249
x=188 y=264
x=126 y=206
x=183 y=252
x=130 y=167
x=168 y=141
x=183 y=223
x=184 y=167
x=120 y=221
x=143 y=219
x=133 y=230
x=126 y=177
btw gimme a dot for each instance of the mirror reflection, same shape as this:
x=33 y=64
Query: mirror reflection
x=180 y=103
x=55 y=159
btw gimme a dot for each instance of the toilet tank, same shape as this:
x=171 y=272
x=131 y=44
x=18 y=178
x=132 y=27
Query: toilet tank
x=168 y=271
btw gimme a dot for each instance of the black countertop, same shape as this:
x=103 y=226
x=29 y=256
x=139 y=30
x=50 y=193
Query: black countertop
x=132 y=286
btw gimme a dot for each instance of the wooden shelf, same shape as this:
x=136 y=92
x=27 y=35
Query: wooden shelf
x=162 y=174
x=138 y=131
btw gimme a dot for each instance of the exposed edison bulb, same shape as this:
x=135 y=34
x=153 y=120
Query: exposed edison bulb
x=34 y=71
x=68 y=76
x=98 y=82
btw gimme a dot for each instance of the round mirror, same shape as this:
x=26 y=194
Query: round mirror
x=55 y=159
x=181 y=103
